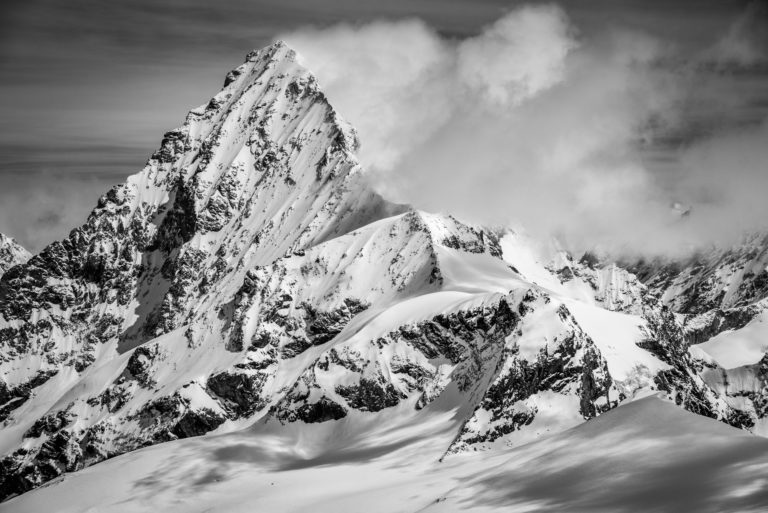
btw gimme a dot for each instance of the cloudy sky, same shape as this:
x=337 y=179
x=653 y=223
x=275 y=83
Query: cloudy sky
x=87 y=88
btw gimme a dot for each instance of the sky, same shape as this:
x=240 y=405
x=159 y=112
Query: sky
x=87 y=89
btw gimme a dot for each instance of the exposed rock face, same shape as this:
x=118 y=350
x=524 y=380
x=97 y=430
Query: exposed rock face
x=700 y=328
x=380 y=372
x=248 y=274
x=569 y=365
x=720 y=291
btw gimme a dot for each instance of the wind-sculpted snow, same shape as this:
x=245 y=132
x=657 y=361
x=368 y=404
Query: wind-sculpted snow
x=249 y=279
x=646 y=455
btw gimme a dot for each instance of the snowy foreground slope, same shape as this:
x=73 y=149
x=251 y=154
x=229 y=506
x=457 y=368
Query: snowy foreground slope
x=646 y=455
x=249 y=285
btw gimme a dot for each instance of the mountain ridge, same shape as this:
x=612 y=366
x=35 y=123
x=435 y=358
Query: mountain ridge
x=249 y=278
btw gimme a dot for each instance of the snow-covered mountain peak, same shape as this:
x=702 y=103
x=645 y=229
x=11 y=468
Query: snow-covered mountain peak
x=248 y=277
x=263 y=171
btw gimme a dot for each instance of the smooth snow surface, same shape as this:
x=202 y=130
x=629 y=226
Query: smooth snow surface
x=736 y=348
x=646 y=455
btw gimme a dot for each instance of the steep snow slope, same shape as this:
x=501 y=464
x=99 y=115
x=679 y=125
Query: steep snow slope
x=644 y=456
x=11 y=253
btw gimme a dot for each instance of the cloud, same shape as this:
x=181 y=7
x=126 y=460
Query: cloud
x=745 y=43
x=517 y=57
x=529 y=123
x=40 y=207
x=382 y=76
x=726 y=178
x=399 y=82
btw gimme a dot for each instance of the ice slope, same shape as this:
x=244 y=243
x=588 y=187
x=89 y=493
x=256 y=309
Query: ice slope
x=646 y=455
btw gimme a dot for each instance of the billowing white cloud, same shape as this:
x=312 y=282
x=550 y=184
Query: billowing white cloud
x=517 y=57
x=528 y=123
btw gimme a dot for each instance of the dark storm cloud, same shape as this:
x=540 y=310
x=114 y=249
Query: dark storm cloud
x=87 y=87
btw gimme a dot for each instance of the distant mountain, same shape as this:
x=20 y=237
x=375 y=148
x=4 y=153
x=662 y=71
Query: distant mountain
x=724 y=278
x=249 y=280
x=11 y=253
